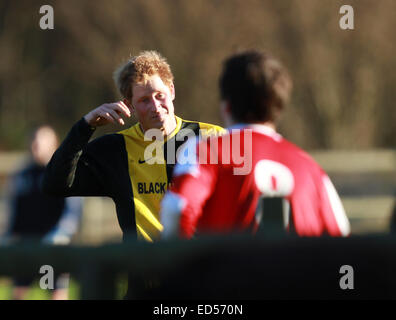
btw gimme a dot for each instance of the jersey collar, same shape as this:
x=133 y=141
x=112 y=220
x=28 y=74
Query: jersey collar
x=259 y=128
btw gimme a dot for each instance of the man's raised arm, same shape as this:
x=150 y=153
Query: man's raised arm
x=76 y=168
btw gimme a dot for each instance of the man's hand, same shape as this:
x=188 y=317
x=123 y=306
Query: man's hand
x=108 y=113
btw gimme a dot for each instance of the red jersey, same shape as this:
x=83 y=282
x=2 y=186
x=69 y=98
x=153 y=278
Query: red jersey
x=218 y=188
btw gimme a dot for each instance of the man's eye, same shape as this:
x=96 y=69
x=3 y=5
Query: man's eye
x=160 y=96
x=145 y=100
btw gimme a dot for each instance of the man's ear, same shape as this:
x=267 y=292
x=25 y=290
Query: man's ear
x=225 y=110
x=172 y=90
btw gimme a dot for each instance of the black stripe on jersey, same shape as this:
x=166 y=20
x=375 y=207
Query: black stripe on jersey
x=194 y=126
x=127 y=219
x=114 y=160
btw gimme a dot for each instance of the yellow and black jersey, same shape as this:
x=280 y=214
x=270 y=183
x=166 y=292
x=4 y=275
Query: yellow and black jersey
x=133 y=170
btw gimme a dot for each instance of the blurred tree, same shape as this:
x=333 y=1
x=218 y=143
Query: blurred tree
x=343 y=95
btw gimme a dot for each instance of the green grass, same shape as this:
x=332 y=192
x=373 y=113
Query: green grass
x=36 y=293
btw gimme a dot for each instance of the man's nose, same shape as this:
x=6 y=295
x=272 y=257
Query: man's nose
x=156 y=105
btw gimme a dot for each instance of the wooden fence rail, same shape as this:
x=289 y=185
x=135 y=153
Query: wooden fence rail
x=239 y=267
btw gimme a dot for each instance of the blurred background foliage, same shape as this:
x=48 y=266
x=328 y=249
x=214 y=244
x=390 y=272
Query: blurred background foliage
x=343 y=80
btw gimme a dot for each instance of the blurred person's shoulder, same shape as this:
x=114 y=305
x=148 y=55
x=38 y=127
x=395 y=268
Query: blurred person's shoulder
x=25 y=168
x=301 y=155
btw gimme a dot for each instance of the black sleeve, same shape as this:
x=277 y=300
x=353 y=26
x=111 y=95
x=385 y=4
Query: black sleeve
x=78 y=168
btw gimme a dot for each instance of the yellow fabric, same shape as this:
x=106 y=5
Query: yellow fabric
x=149 y=180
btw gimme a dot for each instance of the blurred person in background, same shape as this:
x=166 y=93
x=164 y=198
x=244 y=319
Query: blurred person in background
x=218 y=197
x=116 y=165
x=34 y=215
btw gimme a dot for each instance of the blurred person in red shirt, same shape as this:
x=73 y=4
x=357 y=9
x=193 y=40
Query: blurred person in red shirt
x=233 y=182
